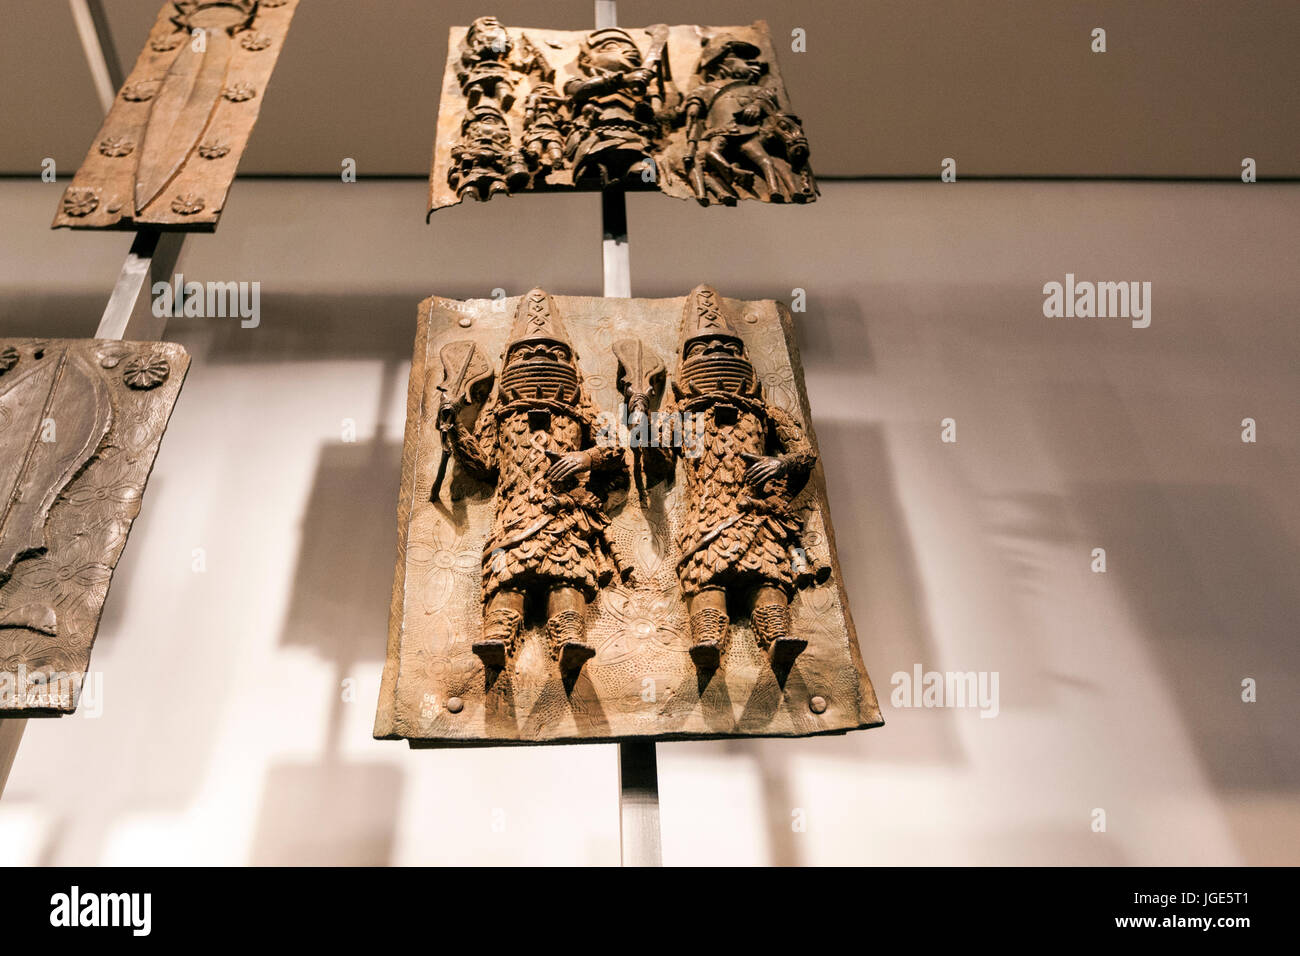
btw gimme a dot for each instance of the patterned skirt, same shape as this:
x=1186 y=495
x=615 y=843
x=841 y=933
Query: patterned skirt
x=752 y=552
x=570 y=550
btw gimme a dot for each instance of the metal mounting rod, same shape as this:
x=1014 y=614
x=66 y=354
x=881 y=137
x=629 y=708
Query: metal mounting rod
x=11 y=735
x=638 y=770
x=638 y=803
x=128 y=315
x=101 y=54
x=614 y=246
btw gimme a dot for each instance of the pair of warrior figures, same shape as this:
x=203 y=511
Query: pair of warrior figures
x=612 y=117
x=538 y=438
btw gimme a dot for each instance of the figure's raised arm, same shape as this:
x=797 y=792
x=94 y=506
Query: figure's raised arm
x=793 y=448
x=475 y=451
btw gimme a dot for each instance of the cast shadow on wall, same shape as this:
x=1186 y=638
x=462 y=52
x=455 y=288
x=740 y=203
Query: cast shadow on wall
x=336 y=810
x=887 y=598
x=1211 y=578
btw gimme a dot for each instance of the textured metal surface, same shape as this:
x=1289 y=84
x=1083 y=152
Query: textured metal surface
x=181 y=121
x=641 y=681
x=509 y=102
x=80 y=424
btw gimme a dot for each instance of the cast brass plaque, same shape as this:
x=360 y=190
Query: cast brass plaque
x=520 y=489
x=80 y=424
x=697 y=112
x=170 y=146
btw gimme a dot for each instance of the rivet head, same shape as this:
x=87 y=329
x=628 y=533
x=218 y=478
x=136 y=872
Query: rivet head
x=817 y=704
x=455 y=705
x=466 y=322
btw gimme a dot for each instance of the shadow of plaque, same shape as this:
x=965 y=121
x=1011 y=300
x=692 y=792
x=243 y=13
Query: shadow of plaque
x=642 y=680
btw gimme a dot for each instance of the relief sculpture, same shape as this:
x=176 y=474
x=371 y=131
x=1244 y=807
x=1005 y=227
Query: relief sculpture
x=170 y=145
x=535 y=441
x=697 y=112
x=640 y=482
x=80 y=424
x=738 y=536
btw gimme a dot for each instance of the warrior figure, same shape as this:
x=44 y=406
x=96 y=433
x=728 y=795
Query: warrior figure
x=736 y=127
x=535 y=439
x=485 y=71
x=484 y=161
x=739 y=534
x=613 y=111
x=543 y=128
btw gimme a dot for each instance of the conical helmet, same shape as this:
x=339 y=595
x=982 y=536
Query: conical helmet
x=539 y=362
x=538 y=320
x=713 y=359
x=704 y=317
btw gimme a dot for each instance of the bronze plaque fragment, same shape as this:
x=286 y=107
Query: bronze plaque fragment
x=697 y=112
x=613 y=523
x=170 y=146
x=80 y=424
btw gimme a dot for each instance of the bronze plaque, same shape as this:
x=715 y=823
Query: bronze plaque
x=170 y=146
x=697 y=112
x=613 y=523
x=80 y=423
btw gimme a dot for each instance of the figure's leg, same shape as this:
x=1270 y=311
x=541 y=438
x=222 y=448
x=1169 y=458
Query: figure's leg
x=710 y=630
x=771 y=617
x=723 y=168
x=726 y=195
x=503 y=619
x=761 y=158
x=566 y=628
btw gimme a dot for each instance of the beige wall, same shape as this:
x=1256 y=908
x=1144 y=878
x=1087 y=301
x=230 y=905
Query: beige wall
x=887 y=87
x=224 y=738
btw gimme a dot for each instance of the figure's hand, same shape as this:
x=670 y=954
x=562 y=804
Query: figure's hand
x=638 y=404
x=762 y=469
x=752 y=113
x=641 y=77
x=447 y=412
x=568 y=465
